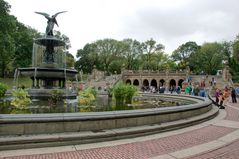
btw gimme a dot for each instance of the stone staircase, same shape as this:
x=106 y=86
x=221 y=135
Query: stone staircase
x=105 y=82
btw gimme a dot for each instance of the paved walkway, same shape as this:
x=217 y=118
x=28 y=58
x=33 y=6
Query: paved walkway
x=217 y=138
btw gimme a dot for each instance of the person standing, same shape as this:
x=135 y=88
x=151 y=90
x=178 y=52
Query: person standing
x=233 y=95
x=221 y=99
x=216 y=95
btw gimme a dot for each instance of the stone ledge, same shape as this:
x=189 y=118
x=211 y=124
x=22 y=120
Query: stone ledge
x=59 y=139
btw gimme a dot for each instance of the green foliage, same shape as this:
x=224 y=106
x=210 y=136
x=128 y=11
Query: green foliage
x=130 y=92
x=133 y=50
x=3 y=89
x=119 y=91
x=16 y=41
x=56 y=96
x=150 y=49
x=123 y=94
x=184 y=53
x=21 y=99
x=87 y=97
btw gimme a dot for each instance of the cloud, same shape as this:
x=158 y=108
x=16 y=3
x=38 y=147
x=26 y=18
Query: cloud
x=169 y=22
x=199 y=21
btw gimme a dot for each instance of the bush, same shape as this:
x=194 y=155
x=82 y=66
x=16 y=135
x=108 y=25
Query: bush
x=3 y=89
x=123 y=94
x=21 y=99
x=56 y=96
x=87 y=96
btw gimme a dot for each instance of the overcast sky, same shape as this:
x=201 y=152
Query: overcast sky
x=169 y=22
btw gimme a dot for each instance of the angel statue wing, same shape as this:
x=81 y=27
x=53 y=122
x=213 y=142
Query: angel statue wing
x=51 y=21
x=44 y=14
x=54 y=16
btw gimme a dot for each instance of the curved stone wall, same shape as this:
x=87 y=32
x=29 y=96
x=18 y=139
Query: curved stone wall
x=22 y=124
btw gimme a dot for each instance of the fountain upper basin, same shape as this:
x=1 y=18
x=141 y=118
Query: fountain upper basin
x=48 y=72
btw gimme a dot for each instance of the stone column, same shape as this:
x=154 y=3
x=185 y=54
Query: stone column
x=38 y=86
x=64 y=83
x=59 y=83
x=33 y=83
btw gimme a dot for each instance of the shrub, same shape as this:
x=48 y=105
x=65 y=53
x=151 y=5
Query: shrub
x=21 y=99
x=3 y=89
x=123 y=94
x=56 y=96
x=87 y=96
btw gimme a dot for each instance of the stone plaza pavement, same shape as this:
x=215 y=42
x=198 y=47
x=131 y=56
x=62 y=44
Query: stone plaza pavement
x=216 y=138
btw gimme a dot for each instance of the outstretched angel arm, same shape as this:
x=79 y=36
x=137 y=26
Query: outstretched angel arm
x=44 y=14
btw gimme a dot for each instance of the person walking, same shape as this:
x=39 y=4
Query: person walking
x=233 y=95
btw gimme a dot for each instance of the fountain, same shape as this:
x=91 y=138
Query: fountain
x=48 y=71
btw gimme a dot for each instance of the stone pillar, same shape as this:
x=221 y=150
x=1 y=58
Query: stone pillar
x=59 y=83
x=33 y=83
x=64 y=83
x=225 y=73
x=38 y=86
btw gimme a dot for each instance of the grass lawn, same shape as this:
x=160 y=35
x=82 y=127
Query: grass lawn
x=22 y=81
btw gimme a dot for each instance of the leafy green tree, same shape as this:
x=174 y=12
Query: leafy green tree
x=234 y=60
x=23 y=37
x=150 y=47
x=236 y=48
x=183 y=54
x=109 y=50
x=7 y=46
x=132 y=52
x=87 y=58
x=70 y=60
x=209 y=58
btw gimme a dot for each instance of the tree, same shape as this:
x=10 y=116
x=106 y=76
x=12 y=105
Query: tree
x=132 y=52
x=109 y=50
x=88 y=58
x=235 y=46
x=209 y=58
x=23 y=37
x=183 y=54
x=150 y=47
x=7 y=46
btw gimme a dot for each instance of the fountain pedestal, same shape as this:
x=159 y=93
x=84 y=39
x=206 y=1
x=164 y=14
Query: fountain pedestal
x=49 y=70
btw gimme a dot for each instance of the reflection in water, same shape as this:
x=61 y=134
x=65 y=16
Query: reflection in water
x=102 y=103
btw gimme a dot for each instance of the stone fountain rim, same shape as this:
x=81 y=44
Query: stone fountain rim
x=91 y=116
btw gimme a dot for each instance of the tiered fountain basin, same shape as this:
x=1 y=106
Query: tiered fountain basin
x=49 y=76
x=48 y=72
x=26 y=124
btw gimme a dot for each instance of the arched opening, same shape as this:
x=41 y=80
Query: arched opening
x=146 y=83
x=145 y=86
x=162 y=81
x=128 y=81
x=180 y=83
x=172 y=84
x=136 y=82
x=154 y=83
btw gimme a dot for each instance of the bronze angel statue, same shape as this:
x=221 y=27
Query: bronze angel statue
x=51 y=21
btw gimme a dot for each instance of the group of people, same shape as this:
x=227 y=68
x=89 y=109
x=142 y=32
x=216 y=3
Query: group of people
x=196 y=90
x=222 y=95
